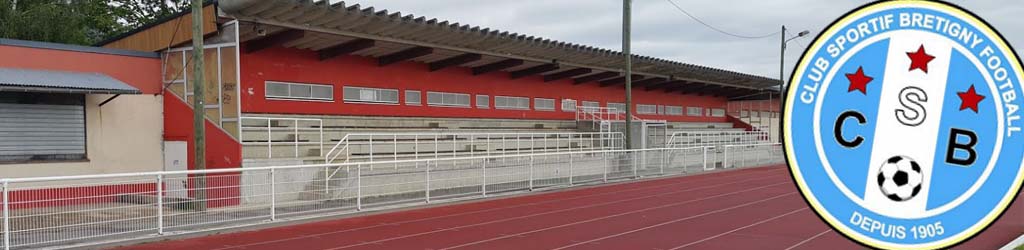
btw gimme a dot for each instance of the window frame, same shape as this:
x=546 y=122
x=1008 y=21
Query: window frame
x=646 y=106
x=486 y=103
x=517 y=98
x=681 y=109
x=468 y=104
x=267 y=95
x=419 y=97
x=538 y=107
x=617 y=108
x=572 y=107
x=699 y=111
x=360 y=101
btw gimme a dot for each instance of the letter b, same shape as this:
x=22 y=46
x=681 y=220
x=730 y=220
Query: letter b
x=966 y=147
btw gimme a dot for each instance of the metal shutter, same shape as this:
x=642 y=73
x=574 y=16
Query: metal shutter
x=41 y=132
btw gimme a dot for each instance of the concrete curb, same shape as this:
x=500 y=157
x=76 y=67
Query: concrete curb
x=1019 y=241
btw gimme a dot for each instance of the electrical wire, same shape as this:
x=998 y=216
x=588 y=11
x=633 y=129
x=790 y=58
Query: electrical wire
x=717 y=29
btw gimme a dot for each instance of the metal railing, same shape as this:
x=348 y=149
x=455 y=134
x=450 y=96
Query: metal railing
x=606 y=114
x=700 y=138
x=398 y=146
x=599 y=114
x=81 y=210
x=285 y=132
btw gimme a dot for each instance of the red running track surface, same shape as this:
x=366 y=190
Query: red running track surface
x=743 y=209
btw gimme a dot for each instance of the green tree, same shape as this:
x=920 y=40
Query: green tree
x=135 y=13
x=82 y=22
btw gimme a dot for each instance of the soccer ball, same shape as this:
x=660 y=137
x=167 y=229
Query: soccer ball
x=900 y=178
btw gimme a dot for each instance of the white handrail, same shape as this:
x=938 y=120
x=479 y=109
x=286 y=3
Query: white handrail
x=295 y=131
x=343 y=147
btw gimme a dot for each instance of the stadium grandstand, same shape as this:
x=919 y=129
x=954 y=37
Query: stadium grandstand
x=315 y=108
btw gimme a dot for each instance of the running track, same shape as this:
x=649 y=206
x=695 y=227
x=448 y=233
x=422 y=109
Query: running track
x=744 y=209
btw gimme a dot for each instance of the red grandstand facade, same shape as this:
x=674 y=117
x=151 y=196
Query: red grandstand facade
x=303 y=66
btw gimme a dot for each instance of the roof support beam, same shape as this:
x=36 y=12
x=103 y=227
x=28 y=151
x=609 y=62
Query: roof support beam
x=687 y=88
x=723 y=91
x=499 y=65
x=664 y=84
x=594 y=77
x=533 y=70
x=567 y=74
x=346 y=48
x=273 y=40
x=702 y=90
x=742 y=93
x=403 y=55
x=619 y=80
x=649 y=81
x=455 y=61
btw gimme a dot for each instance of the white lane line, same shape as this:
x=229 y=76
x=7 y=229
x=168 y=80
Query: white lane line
x=809 y=239
x=740 y=228
x=500 y=208
x=677 y=220
x=637 y=211
x=564 y=210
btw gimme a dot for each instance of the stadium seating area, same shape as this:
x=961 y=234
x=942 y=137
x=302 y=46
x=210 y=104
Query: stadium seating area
x=311 y=138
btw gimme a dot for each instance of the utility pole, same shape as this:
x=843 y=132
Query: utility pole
x=198 y=107
x=782 y=79
x=629 y=71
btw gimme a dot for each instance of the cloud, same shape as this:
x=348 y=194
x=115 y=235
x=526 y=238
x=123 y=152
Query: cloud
x=659 y=30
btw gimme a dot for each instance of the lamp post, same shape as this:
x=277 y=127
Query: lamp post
x=782 y=71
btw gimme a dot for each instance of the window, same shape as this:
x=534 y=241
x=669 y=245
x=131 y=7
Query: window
x=646 y=109
x=510 y=102
x=299 y=91
x=445 y=99
x=370 y=95
x=483 y=101
x=673 y=110
x=544 y=104
x=661 y=109
x=694 y=111
x=412 y=98
x=718 y=112
x=593 y=105
x=568 y=105
x=617 y=107
x=42 y=127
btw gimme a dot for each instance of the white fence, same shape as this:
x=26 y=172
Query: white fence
x=369 y=147
x=82 y=210
x=703 y=138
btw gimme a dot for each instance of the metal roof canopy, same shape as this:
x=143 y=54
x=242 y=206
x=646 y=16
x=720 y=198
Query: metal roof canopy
x=47 y=81
x=330 y=25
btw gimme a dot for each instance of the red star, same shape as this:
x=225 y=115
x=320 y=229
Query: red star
x=859 y=81
x=970 y=99
x=920 y=59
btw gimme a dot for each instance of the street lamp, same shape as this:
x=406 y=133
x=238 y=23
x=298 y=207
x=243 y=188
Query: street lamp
x=782 y=71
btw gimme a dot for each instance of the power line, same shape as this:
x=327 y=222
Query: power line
x=717 y=29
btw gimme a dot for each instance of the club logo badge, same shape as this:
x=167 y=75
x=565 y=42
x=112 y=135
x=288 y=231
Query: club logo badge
x=902 y=125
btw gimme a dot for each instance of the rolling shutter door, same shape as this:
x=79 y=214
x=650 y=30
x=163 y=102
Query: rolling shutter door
x=42 y=132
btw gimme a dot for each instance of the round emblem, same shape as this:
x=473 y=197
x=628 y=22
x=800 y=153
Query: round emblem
x=902 y=125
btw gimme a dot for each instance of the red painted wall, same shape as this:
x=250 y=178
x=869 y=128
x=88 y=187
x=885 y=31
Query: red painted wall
x=222 y=151
x=293 y=65
x=141 y=72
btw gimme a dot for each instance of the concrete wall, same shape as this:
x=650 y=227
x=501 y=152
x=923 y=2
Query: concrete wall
x=122 y=136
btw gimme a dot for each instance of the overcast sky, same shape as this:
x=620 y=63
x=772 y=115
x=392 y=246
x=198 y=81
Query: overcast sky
x=660 y=30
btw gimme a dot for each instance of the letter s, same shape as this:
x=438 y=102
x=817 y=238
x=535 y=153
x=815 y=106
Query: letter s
x=911 y=98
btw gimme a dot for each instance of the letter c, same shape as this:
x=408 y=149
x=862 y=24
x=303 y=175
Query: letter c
x=838 y=129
